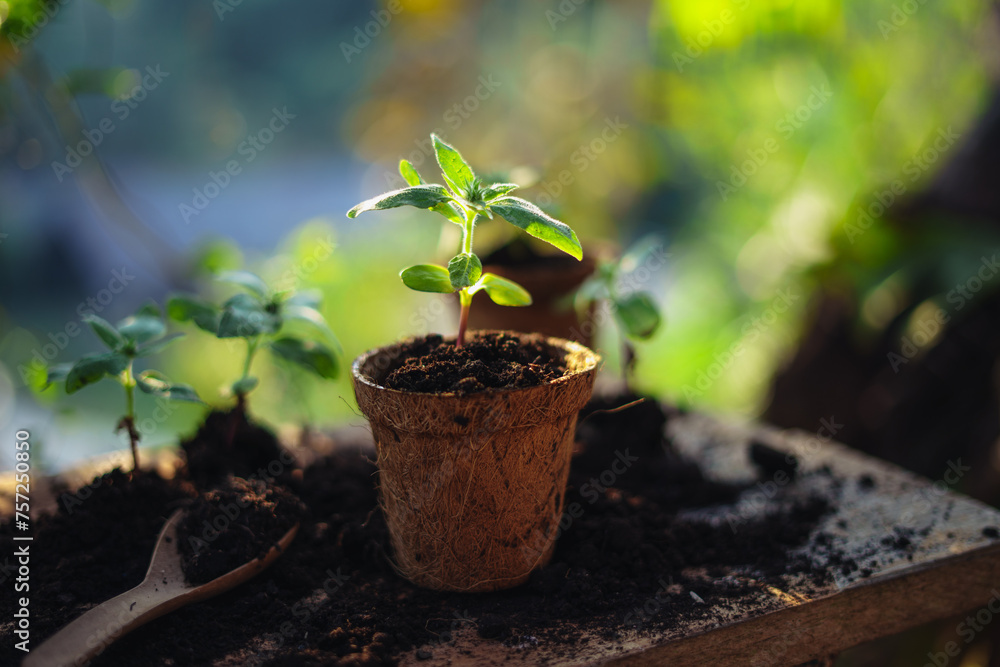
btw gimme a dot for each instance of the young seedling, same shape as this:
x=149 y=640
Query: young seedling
x=465 y=201
x=635 y=312
x=258 y=315
x=137 y=336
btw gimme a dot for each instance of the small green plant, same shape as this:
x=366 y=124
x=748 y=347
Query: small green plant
x=139 y=335
x=635 y=312
x=259 y=316
x=465 y=201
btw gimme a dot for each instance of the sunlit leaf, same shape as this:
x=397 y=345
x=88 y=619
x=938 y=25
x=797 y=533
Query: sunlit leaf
x=92 y=368
x=537 y=223
x=455 y=168
x=427 y=278
x=409 y=173
x=503 y=292
x=420 y=196
x=491 y=192
x=464 y=270
x=448 y=209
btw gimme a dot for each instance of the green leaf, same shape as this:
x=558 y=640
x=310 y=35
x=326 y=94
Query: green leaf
x=427 y=278
x=158 y=346
x=314 y=318
x=154 y=382
x=448 y=209
x=464 y=271
x=638 y=315
x=310 y=298
x=309 y=354
x=151 y=382
x=452 y=211
x=306 y=314
x=57 y=373
x=183 y=392
x=142 y=328
x=409 y=173
x=92 y=368
x=245 y=317
x=537 y=223
x=245 y=385
x=593 y=289
x=491 y=192
x=503 y=292
x=246 y=280
x=105 y=331
x=454 y=187
x=482 y=209
x=641 y=252
x=456 y=171
x=186 y=308
x=420 y=196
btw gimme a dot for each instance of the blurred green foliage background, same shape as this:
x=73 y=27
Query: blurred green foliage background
x=770 y=143
x=750 y=134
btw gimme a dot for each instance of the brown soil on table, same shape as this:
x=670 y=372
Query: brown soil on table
x=662 y=474
x=227 y=443
x=96 y=546
x=623 y=563
x=232 y=525
x=489 y=361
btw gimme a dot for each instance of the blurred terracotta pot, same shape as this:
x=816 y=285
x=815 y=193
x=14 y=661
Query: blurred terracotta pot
x=551 y=281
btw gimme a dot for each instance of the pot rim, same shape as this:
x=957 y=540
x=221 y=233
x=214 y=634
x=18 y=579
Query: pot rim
x=593 y=360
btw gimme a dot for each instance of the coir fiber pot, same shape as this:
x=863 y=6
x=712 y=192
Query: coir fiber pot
x=472 y=487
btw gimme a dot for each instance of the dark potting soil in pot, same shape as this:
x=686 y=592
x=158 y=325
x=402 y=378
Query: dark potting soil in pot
x=487 y=361
x=334 y=598
x=232 y=525
x=227 y=443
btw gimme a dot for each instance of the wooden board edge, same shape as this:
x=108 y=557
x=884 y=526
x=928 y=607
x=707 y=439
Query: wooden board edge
x=829 y=625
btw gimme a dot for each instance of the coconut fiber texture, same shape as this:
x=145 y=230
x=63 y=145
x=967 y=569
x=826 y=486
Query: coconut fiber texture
x=472 y=487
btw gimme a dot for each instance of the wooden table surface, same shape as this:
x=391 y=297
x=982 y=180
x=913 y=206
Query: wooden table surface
x=951 y=566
